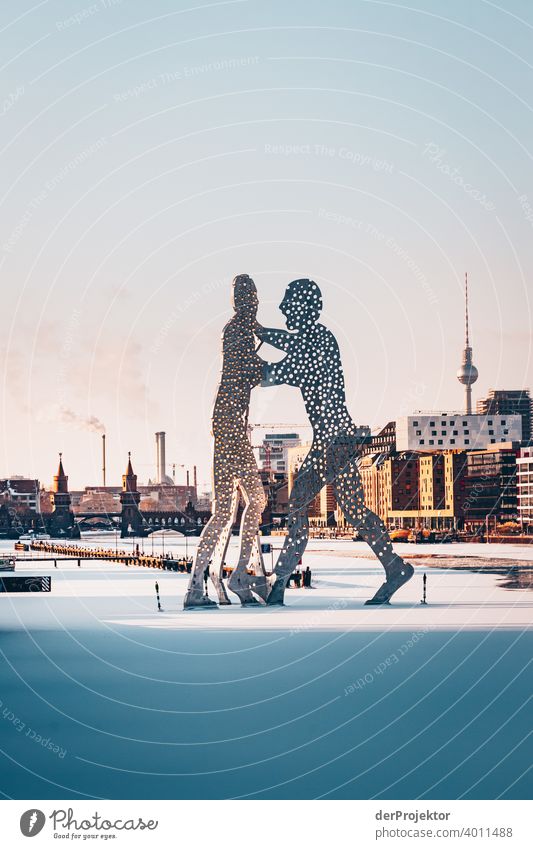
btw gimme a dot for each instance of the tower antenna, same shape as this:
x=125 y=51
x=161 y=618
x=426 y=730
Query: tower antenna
x=467 y=340
x=468 y=373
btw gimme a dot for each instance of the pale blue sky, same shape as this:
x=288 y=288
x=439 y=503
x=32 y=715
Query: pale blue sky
x=149 y=153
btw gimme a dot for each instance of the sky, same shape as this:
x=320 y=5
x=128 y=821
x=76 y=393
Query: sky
x=151 y=152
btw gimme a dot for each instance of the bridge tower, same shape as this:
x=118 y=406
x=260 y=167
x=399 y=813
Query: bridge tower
x=61 y=522
x=131 y=521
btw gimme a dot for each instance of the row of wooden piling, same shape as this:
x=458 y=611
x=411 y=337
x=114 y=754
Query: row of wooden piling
x=149 y=561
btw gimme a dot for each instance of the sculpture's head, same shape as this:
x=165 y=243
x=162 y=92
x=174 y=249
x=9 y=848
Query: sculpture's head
x=302 y=304
x=245 y=298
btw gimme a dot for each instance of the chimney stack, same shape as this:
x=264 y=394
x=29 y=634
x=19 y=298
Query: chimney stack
x=103 y=460
x=160 y=457
x=195 y=478
x=188 y=478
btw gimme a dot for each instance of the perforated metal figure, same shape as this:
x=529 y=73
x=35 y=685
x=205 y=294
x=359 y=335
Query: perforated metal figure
x=313 y=364
x=234 y=466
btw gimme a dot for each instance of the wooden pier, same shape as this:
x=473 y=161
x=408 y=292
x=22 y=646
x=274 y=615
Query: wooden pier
x=48 y=551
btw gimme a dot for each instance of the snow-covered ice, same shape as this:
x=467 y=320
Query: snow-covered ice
x=102 y=696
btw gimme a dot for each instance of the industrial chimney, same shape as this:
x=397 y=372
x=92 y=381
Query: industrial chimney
x=103 y=460
x=160 y=457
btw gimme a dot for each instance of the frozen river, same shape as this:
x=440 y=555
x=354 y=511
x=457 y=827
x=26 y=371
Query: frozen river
x=102 y=696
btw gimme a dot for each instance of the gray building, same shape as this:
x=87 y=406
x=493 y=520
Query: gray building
x=456 y=431
x=509 y=402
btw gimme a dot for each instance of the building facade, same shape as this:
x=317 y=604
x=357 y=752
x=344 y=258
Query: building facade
x=383 y=442
x=456 y=431
x=20 y=505
x=491 y=486
x=177 y=495
x=295 y=457
x=276 y=489
x=524 y=470
x=508 y=402
x=412 y=490
x=399 y=491
x=274 y=452
x=23 y=492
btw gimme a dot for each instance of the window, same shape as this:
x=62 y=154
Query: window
x=432 y=424
x=415 y=424
x=467 y=442
x=419 y=433
x=443 y=424
x=432 y=442
x=467 y=433
x=491 y=433
x=465 y=424
x=456 y=433
x=506 y=430
x=452 y=422
x=503 y=422
x=440 y=441
x=421 y=442
x=493 y=440
x=452 y=441
x=433 y=433
x=489 y=422
x=443 y=433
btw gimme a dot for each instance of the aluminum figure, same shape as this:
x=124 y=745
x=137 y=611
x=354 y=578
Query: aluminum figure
x=313 y=364
x=235 y=472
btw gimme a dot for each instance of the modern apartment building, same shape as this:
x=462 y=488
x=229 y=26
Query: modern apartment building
x=456 y=431
x=417 y=490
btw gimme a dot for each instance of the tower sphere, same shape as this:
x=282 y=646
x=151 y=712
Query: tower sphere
x=467 y=374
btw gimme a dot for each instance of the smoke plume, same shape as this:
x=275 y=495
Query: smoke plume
x=65 y=415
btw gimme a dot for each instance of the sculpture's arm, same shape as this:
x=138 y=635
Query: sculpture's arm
x=280 y=339
x=275 y=374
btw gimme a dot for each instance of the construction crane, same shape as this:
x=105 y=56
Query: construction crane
x=267 y=463
x=271 y=425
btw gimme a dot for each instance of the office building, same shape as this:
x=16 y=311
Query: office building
x=491 y=485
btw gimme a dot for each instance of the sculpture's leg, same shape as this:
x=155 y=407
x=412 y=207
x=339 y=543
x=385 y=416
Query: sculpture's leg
x=350 y=497
x=397 y=571
x=291 y=553
x=216 y=568
x=260 y=584
x=308 y=483
x=240 y=582
x=223 y=512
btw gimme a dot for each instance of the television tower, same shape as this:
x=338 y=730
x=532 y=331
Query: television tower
x=468 y=373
